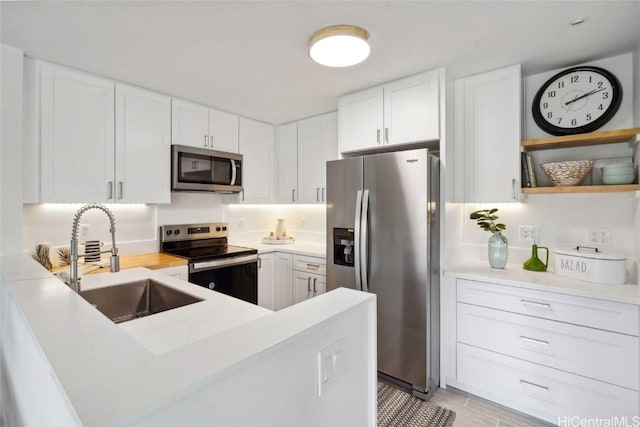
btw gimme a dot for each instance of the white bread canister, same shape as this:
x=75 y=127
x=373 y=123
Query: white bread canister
x=590 y=264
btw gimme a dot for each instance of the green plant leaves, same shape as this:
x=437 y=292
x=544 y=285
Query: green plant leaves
x=486 y=220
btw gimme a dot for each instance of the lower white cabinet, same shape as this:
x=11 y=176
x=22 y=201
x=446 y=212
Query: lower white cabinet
x=283 y=281
x=179 y=272
x=309 y=277
x=266 y=281
x=547 y=354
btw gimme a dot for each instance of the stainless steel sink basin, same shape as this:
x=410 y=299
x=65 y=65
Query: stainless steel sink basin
x=132 y=300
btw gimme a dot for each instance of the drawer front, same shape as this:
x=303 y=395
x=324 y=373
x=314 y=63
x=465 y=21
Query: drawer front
x=602 y=355
x=310 y=264
x=528 y=386
x=595 y=313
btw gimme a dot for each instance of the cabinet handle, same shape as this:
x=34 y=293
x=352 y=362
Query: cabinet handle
x=120 y=190
x=259 y=262
x=535 y=304
x=316 y=266
x=314 y=284
x=386 y=135
x=318 y=194
x=110 y=190
x=293 y=194
x=323 y=194
x=206 y=144
x=542 y=387
x=533 y=340
x=309 y=284
x=211 y=142
x=378 y=135
x=513 y=188
x=243 y=195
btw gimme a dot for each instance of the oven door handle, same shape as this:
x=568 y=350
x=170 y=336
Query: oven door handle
x=221 y=263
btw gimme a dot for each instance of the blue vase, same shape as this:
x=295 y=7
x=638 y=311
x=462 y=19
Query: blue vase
x=498 y=250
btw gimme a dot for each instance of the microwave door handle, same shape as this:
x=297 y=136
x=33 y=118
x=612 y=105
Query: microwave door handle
x=233 y=172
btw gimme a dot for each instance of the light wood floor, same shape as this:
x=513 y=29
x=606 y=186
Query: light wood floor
x=473 y=411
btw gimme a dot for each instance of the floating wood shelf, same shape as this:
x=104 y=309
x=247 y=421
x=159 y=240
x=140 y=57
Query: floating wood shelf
x=580 y=140
x=582 y=189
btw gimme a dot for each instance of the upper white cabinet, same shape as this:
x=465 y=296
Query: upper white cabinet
x=399 y=112
x=199 y=126
x=256 y=146
x=488 y=131
x=317 y=144
x=302 y=151
x=286 y=149
x=143 y=143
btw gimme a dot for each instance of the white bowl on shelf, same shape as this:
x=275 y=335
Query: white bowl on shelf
x=618 y=179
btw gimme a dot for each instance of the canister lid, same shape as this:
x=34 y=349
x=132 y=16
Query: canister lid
x=591 y=252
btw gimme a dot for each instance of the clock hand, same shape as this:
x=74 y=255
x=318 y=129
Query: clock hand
x=584 y=96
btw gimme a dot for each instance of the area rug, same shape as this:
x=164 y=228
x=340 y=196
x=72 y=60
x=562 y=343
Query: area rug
x=397 y=408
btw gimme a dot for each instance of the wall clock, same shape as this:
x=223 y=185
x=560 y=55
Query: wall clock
x=577 y=100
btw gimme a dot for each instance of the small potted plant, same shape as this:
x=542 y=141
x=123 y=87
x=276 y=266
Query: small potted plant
x=498 y=244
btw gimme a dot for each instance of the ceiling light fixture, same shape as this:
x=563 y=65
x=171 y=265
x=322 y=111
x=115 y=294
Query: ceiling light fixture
x=339 y=45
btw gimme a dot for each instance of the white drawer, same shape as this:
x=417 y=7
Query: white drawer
x=537 y=389
x=310 y=264
x=595 y=313
x=602 y=355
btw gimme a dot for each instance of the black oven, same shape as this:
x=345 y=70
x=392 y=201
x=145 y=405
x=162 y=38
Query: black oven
x=213 y=264
x=201 y=169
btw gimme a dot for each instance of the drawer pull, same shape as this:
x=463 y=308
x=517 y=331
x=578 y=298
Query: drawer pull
x=314 y=266
x=533 y=340
x=541 y=387
x=536 y=304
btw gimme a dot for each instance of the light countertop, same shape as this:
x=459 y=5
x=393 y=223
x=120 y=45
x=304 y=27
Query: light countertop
x=515 y=275
x=114 y=374
x=297 y=248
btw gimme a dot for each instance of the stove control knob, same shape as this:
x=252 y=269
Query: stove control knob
x=224 y=228
x=169 y=232
x=212 y=285
x=217 y=228
x=176 y=232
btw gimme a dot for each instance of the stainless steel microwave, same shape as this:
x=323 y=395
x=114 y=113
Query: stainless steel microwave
x=201 y=169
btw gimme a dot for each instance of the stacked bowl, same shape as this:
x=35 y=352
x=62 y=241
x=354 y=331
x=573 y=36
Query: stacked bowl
x=618 y=173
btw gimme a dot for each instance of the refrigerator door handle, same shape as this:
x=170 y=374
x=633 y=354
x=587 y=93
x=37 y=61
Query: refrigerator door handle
x=363 y=240
x=356 y=237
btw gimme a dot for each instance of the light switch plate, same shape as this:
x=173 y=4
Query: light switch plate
x=331 y=366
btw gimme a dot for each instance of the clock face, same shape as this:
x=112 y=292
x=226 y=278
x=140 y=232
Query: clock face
x=577 y=100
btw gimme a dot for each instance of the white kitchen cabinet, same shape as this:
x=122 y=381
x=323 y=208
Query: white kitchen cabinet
x=488 y=127
x=76 y=136
x=283 y=281
x=266 y=281
x=197 y=125
x=309 y=277
x=143 y=143
x=256 y=146
x=398 y=112
x=547 y=354
x=180 y=272
x=317 y=144
x=286 y=152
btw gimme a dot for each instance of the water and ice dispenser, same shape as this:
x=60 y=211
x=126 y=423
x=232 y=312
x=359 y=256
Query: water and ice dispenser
x=343 y=242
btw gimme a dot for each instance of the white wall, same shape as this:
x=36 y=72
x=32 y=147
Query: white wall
x=11 y=120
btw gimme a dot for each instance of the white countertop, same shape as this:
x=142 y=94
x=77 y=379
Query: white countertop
x=298 y=248
x=515 y=275
x=113 y=374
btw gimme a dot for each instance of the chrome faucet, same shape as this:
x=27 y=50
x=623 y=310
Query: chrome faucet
x=74 y=283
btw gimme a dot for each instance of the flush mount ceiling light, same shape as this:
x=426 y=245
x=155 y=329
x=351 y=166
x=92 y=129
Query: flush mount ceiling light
x=339 y=45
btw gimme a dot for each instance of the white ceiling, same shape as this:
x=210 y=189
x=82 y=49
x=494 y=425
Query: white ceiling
x=250 y=57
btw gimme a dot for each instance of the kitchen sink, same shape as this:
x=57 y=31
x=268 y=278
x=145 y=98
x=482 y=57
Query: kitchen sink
x=133 y=300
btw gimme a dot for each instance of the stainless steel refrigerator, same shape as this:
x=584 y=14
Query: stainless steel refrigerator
x=383 y=238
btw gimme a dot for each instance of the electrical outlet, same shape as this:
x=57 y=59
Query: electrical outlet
x=241 y=224
x=84 y=232
x=529 y=232
x=599 y=236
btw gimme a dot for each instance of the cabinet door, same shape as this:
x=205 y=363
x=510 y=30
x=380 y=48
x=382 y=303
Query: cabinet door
x=283 y=280
x=77 y=136
x=256 y=146
x=286 y=148
x=360 y=120
x=180 y=272
x=265 y=281
x=489 y=125
x=307 y=285
x=189 y=124
x=143 y=144
x=411 y=109
x=317 y=139
x=223 y=131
